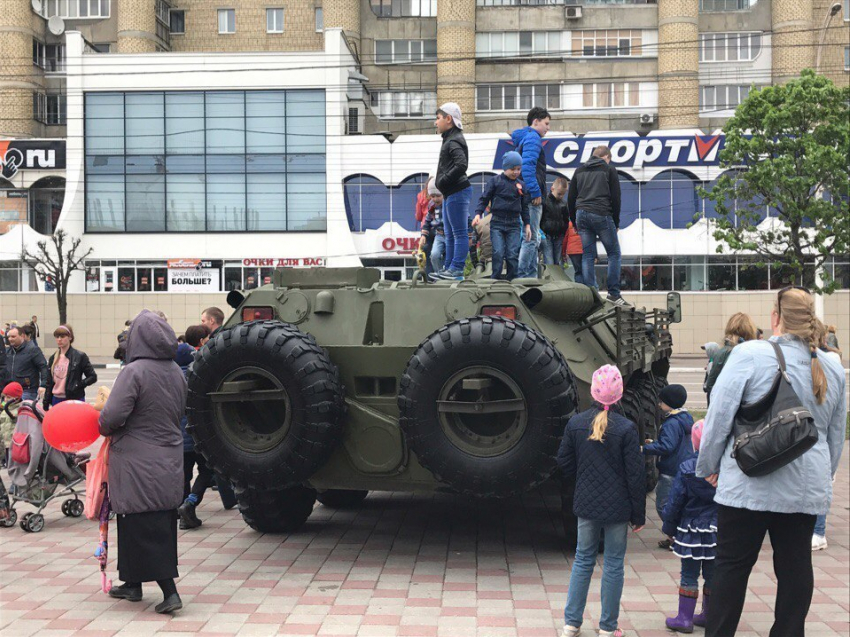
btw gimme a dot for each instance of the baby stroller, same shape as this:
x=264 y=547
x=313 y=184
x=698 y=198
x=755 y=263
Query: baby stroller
x=40 y=474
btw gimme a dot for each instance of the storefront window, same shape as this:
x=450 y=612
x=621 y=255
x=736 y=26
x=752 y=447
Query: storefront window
x=689 y=274
x=250 y=278
x=143 y=280
x=656 y=273
x=751 y=275
x=218 y=161
x=232 y=278
x=45 y=204
x=126 y=279
x=13 y=206
x=721 y=273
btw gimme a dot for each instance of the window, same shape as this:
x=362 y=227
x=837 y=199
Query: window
x=274 y=20
x=611 y=95
x=101 y=48
x=70 y=9
x=162 y=11
x=38 y=53
x=847 y=58
x=195 y=161
x=608 y=43
x=177 y=21
x=729 y=47
x=49 y=108
x=538 y=3
x=227 y=20
x=847 y=10
x=720 y=98
x=519 y=43
x=404 y=104
x=711 y=6
x=404 y=8
x=405 y=51
x=513 y=97
x=320 y=20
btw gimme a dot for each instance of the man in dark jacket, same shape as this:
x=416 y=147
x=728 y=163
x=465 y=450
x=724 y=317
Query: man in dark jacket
x=529 y=143
x=452 y=182
x=25 y=364
x=594 y=204
x=553 y=223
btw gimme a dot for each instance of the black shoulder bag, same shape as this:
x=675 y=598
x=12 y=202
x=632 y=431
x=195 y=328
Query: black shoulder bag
x=774 y=430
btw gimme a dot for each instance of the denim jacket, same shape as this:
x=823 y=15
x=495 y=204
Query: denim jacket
x=802 y=486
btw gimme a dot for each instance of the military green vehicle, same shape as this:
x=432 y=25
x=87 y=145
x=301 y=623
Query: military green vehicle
x=330 y=383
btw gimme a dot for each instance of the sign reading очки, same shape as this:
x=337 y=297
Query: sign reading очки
x=628 y=152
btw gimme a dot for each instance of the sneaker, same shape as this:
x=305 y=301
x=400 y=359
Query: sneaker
x=617 y=300
x=571 y=631
x=451 y=275
x=819 y=543
x=666 y=544
x=435 y=276
x=130 y=593
x=169 y=604
x=611 y=633
x=187 y=514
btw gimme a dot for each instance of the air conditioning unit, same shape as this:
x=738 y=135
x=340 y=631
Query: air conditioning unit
x=647 y=118
x=572 y=13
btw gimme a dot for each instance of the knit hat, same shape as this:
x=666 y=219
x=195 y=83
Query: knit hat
x=14 y=390
x=432 y=187
x=696 y=433
x=607 y=385
x=674 y=395
x=710 y=349
x=511 y=159
x=450 y=108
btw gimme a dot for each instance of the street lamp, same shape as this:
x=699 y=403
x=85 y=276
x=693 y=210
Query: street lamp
x=833 y=10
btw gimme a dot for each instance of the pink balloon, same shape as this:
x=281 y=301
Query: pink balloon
x=71 y=426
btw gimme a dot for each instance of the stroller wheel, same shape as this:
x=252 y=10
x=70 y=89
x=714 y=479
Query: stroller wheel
x=34 y=522
x=66 y=507
x=76 y=508
x=11 y=520
x=25 y=522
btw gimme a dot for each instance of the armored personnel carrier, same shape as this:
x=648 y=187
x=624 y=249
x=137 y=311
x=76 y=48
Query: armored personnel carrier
x=330 y=383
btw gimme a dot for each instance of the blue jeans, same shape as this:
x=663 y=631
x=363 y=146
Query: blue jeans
x=587 y=549
x=662 y=490
x=593 y=227
x=528 y=250
x=438 y=250
x=30 y=394
x=505 y=238
x=690 y=573
x=576 y=260
x=455 y=224
x=820 y=526
x=551 y=248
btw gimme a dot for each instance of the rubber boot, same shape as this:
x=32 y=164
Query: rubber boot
x=699 y=620
x=684 y=621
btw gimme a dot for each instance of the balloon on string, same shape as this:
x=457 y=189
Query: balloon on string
x=71 y=426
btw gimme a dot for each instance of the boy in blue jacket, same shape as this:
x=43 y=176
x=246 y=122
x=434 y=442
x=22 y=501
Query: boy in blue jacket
x=673 y=446
x=508 y=201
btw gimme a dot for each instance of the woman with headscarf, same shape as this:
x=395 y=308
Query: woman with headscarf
x=142 y=419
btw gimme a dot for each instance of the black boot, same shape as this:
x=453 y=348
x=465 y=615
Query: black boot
x=130 y=592
x=169 y=604
x=188 y=517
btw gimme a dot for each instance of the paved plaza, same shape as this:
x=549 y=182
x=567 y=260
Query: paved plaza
x=399 y=565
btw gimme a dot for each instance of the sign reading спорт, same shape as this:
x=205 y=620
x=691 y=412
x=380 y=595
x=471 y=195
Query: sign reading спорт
x=628 y=152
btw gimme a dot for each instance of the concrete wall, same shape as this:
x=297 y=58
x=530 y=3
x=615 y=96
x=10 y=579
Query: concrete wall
x=98 y=318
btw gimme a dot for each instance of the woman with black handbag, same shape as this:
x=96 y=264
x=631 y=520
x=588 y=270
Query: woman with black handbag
x=780 y=500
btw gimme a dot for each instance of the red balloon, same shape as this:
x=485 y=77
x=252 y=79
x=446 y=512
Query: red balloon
x=71 y=426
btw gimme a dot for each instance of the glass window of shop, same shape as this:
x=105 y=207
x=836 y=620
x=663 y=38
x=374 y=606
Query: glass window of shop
x=205 y=161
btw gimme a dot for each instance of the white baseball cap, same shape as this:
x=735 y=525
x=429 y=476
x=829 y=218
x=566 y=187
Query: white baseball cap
x=450 y=108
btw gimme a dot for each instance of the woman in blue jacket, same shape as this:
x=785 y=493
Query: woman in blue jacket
x=786 y=502
x=601 y=450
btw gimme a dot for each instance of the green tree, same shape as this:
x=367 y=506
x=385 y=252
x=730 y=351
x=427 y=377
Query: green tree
x=788 y=148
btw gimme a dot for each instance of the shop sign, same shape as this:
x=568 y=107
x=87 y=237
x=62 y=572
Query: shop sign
x=185 y=264
x=19 y=154
x=629 y=152
x=400 y=245
x=193 y=279
x=304 y=262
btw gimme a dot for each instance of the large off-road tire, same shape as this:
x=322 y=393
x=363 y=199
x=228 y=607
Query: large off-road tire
x=341 y=498
x=265 y=405
x=282 y=511
x=640 y=405
x=483 y=404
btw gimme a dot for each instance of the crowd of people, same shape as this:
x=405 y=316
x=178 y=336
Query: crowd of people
x=516 y=222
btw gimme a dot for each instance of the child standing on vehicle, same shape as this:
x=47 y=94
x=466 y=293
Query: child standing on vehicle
x=508 y=201
x=433 y=239
x=600 y=448
x=673 y=446
x=690 y=517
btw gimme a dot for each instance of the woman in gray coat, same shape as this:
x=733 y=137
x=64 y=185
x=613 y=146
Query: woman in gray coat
x=142 y=417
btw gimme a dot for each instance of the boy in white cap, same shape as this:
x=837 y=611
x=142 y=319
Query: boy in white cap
x=452 y=181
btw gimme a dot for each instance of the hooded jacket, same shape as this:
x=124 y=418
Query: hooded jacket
x=454 y=160
x=529 y=144
x=142 y=416
x=26 y=365
x=674 y=442
x=555 y=217
x=595 y=188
